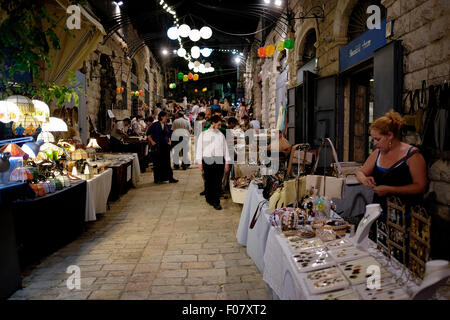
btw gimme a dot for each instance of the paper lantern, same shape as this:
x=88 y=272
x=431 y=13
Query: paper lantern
x=24 y=104
x=132 y=93
x=180 y=75
x=206 y=52
x=205 y=32
x=195 y=77
x=190 y=76
x=122 y=90
x=118 y=90
x=191 y=65
x=208 y=65
x=197 y=64
x=196 y=69
x=195 y=52
x=289 y=44
x=270 y=49
x=194 y=35
x=141 y=92
x=262 y=52
x=9 y=112
x=174 y=85
x=184 y=30
x=204 y=89
x=185 y=78
x=280 y=46
x=181 y=52
x=136 y=93
x=195 y=90
x=172 y=33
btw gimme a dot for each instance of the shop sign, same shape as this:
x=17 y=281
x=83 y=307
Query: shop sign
x=362 y=47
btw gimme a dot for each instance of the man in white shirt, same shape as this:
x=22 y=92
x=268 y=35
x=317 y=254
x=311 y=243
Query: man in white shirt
x=213 y=159
x=181 y=128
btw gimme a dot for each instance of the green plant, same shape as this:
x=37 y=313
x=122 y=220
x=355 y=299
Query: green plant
x=60 y=93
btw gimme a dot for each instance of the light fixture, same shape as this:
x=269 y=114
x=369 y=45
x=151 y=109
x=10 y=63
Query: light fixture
x=29 y=124
x=208 y=65
x=196 y=69
x=205 y=32
x=267 y=1
x=181 y=52
x=32 y=148
x=165 y=52
x=195 y=52
x=371 y=80
x=13 y=149
x=194 y=35
x=191 y=65
x=237 y=60
x=25 y=104
x=278 y=3
x=197 y=64
x=41 y=110
x=184 y=30
x=120 y=3
x=9 y=112
x=172 y=33
x=46 y=136
x=206 y=52
x=93 y=145
x=54 y=124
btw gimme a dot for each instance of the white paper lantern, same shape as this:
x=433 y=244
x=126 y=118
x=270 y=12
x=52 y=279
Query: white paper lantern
x=181 y=52
x=206 y=52
x=191 y=65
x=184 y=31
x=211 y=69
x=207 y=65
x=197 y=64
x=196 y=70
x=195 y=54
x=206 y=32
x=172 y=33
x=202 y=68
x=194 y=35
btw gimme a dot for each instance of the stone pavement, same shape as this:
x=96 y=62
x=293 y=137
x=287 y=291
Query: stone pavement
x=156 y=242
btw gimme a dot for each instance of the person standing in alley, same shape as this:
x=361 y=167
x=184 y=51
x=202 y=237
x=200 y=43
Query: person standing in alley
x=181 y=128
x=214 y=160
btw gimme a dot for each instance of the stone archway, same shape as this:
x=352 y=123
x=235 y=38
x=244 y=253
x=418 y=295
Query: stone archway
x=341 y=18
x=107 y=91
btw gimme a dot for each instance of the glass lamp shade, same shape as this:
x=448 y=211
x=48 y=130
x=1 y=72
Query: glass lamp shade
x=13 y=149
x=46 y=136
x=194 y=35
x=79 y=154
x=21 y=174
x=24 y=104
x=54 y=124
x=41 y=110
x=206 y=32
x=93 y=144
x=9 y=112
x=32 y=148
x=26 y=125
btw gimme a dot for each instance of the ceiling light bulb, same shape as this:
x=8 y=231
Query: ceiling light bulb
x=194 y=35
x=184 y=30
x=237 y=60
x=165 y=52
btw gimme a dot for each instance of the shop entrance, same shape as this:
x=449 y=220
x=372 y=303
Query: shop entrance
x=360 y=83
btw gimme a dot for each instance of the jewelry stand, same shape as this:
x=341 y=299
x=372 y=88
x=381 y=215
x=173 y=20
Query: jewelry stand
x=419 y=241
x=360 y=239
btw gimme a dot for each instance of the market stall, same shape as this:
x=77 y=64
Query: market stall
x=97 y=193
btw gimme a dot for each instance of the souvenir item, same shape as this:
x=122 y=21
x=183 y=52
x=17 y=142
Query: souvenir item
x=41 y=190
x=339 y=226
x=346 y=254
x=326 y=234
x=396 y=226
x=21 y=174
x=299 y=244
x=289 y=220
x=382 y=236
x=346 y=294
x=357 y=271
x=388 y=291
x=325 y=280
x=419 y=240
x=308 y=260
x=339 y=243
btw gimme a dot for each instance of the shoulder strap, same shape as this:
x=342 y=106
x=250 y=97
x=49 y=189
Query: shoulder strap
x=410 y=154
x=257 y=213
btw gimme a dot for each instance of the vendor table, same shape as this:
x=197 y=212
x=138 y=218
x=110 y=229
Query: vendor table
x=10 y=279
x=45 y=224
x=125 y=158
x=140 y=148
x=97 y=192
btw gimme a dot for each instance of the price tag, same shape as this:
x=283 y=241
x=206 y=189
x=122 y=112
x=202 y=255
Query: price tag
x=111 y=114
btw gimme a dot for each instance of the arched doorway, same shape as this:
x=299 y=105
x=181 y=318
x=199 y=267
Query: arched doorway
x=357 y=24
x=107 y=92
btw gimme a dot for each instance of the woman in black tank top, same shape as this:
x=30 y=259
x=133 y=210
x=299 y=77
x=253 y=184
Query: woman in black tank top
x=384 y=171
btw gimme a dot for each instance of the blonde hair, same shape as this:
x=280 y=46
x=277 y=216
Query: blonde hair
x=390 y=122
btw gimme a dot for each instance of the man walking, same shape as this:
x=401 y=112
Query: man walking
x=181 y=128
x=213 y=159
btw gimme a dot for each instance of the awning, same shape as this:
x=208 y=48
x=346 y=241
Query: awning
x=74 y=50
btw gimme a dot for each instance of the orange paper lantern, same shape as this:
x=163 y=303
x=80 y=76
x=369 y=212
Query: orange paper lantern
x=262 y=52
x=190 y=76
x=195 y=90
x=195 y=77
x=270 y=49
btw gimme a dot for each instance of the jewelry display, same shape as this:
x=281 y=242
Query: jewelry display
x=419 y=241
x=396 y=227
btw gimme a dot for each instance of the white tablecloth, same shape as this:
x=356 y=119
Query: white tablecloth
x=136 y=170
x=97 y=192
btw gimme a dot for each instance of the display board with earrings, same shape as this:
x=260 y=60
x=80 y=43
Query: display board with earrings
x=419 y=240
x=396 y=229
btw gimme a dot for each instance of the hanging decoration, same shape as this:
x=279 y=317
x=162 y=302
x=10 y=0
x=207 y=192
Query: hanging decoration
x=195 y=77
x=190 y=76
x=262 y=52
x=195 y=90
x=289 y=44
x=185 y=78
x=120 y=90
x=280 y=46
x=172 y=85
x=180 y=75
x=204 y=89
x=270 y=49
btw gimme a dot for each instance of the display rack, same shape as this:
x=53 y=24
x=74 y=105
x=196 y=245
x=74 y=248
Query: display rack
x=419 y=240
x=396 y=229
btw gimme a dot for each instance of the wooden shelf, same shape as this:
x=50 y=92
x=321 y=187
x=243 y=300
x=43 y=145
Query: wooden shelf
x=390 y=242
x=415 y=236
x=421 y=262
x=396 y=226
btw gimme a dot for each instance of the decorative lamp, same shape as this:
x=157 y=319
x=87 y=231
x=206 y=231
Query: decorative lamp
x=170 y=86
x=25 y=104
x=185 y=78
x=27 y=125
x=184 y=30
x=118 y=90
x=206 y=52
x=280 y=46
x=141 y=92
x=67 y=146
x=181 y=52
x=9 y=112
x=204 y=89
x=195 y=52
x=289 y=44
x=41 y=110
x=46 y=136
x=93 y=145
x=196 y=69
x=21 y=174
x=54 y=124
x=173 y=33
x=32 y=148
x=51 y=150
x=270 y=50
x=74 y=171
x=79 y=154
x=194 y=35
x=205 y=32
x=132 y=93
x=13 y=149
x=262 y=52
x=195 y=77
x=190 y=76
x=122 y=90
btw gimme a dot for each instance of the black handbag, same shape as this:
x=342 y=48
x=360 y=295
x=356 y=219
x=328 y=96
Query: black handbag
x=271 y=183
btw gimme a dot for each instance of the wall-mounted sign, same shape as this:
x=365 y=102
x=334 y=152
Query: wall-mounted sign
x=362 y=47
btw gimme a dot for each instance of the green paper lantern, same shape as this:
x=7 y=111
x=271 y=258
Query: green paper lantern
x=289 y=44
x=174 y=85
x=180 y=75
